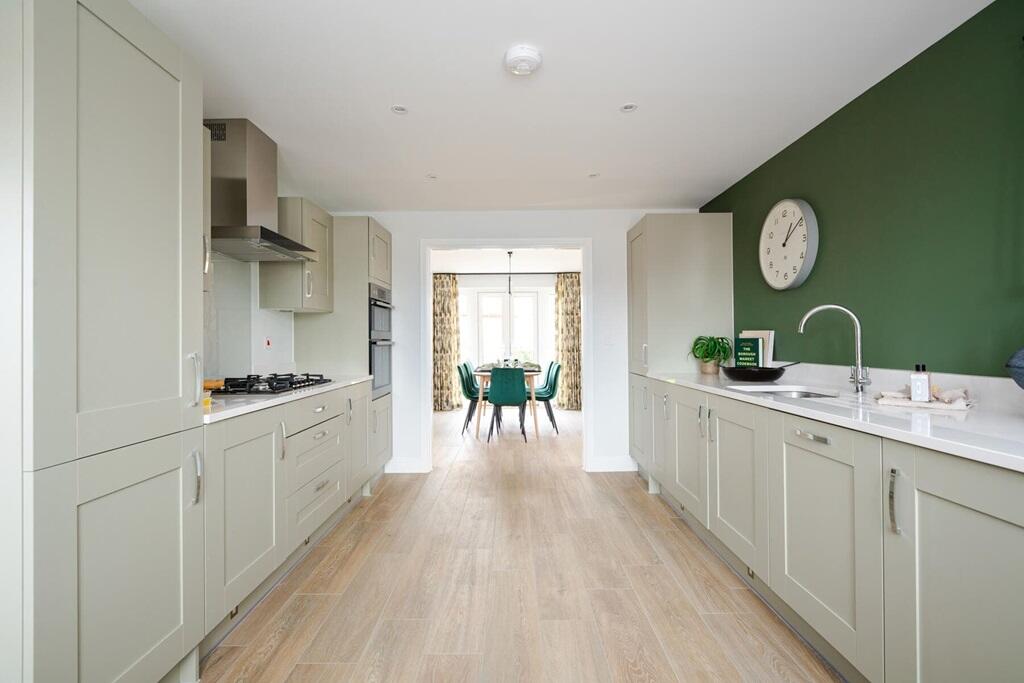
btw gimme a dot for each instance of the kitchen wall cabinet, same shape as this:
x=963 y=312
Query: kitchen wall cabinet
x=954 y=546
x=115 y=551
x=246 y=533
x=380 y=254
x=380 y=431
x=738 y=436
x=826 y=553
x=301 y=287
x=113 y=231
x=361 y=463
x=679 y=286
x=641 y=427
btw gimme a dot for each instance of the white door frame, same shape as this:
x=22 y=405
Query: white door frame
x=584 y=244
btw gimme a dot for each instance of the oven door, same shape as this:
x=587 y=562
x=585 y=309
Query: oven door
x=380 y=367
x=380 y=319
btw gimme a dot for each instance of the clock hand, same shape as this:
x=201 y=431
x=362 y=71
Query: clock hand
x=787 y=236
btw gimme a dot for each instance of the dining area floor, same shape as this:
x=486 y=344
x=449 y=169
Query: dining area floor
x=507 y=561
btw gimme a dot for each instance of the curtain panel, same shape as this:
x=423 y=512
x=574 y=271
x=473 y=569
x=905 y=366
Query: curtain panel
x=567 y=329
x=447 y=392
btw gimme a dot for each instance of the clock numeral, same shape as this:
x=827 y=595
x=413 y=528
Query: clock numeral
x=771 y=235
x=801 y=254
x=800 y=222
x=770 y=265
x=794 y=269
x=769 y=251
x=803 y=237
x=785 y=212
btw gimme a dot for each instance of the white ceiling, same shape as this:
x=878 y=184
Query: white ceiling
x=722 y=86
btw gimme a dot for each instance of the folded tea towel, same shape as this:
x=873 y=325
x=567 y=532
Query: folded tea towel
x=950 y=399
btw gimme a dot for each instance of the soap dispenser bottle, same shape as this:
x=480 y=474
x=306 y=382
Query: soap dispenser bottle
x=920 y=384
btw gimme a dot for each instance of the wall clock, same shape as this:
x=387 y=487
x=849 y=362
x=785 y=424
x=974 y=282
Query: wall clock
x=789 y=244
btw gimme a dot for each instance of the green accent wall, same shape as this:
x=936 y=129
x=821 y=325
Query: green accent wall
x=918 y=187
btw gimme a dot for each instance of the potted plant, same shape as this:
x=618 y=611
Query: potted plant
x=711 y=352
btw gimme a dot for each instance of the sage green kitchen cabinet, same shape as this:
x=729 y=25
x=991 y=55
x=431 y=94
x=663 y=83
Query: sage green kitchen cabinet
x=207 y=211
x=361 y=463
x=380 y=431
x=826 y=535
x=737 y=435
x=380 y=254
x=303 y=287
x=640 y=422
x=688 y=482
x=636 y=278
x=954 y=550
x=679 y=286
x=246 y=526
x=112 y=232
x=663 y=435
x=114 y=547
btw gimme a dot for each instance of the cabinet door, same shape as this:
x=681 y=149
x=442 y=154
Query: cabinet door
x=245 y=516
x=640 y=425
x=361 y=465
x=954 y=610
x=316 y=234
x=380 y=431
x=636 y=266
x=207 y=211
x=826 y=518
x=737 y=480
x=117 y=558
x=663 y=435
x=689 y=482
x=116 y=219
x=380 y=254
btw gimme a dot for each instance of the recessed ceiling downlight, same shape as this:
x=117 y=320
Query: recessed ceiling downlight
x=522 y=60
x=629 y=107
x=430 y=176
x=594 y=175
x=399 y=109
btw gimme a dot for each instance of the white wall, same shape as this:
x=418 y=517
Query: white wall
x=605 y=415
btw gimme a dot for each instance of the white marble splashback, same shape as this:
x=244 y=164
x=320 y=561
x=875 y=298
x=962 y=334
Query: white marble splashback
x=998 y=394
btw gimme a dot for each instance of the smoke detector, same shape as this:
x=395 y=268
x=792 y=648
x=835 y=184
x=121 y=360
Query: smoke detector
x=522 y=60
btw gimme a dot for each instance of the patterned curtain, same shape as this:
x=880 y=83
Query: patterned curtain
x=567 y=328
x=447 y=392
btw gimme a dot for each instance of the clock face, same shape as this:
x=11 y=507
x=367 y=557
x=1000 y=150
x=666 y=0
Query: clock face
x=789 y=244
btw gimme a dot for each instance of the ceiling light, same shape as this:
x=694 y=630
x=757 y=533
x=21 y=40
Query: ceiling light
x=593 y=175
x=399 y=109
x=629 y=107
x=430 y=176
x=522 y=60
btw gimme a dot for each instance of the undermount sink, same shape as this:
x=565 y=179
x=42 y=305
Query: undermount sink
x=786 y=391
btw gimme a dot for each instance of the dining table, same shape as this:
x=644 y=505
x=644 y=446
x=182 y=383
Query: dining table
x=484 y=378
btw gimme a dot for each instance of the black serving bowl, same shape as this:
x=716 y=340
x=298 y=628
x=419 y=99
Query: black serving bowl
x=753 y=374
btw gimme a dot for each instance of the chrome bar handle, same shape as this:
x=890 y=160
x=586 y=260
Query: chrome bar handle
x=664 y=407
x=349 y=419
x=284 y=437
x=309 y=284
x=319 y=435
x=319 y=487
x=197 y=459
x=700 y=420
x=812 y=437
x=893 y=525
x=643 y=352
x=320 y=409
x=711 y=436
x=197 y=368
x=206 y=254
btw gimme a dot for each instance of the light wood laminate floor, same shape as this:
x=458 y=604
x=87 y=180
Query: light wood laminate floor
x=508 y=562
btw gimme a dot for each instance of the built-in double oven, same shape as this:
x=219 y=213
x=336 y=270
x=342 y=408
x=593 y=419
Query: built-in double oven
x=381 y=343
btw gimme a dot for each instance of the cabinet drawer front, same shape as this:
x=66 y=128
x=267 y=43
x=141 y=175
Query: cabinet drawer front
x=817 y=437
x=306 y=412
x=312 y=451
x=310 y=506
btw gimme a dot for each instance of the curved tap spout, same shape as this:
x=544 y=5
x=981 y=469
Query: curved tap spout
x=858 y=373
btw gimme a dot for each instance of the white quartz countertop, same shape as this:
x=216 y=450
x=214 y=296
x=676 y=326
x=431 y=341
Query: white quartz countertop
x=225 y=406
x=982 y=433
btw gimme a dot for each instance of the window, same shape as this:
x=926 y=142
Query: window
x=502 y=330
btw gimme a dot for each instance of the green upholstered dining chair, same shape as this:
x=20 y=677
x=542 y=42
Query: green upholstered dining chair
x=547 y=393
x=508 y=388
x=547 y=378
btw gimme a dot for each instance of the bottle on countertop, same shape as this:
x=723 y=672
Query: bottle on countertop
x=920 y=384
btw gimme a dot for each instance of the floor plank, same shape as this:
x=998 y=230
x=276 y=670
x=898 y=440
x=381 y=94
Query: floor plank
x=394 y=653
x=449 y=668
x=633 y=650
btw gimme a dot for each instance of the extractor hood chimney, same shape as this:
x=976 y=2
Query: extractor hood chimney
x=243 y=162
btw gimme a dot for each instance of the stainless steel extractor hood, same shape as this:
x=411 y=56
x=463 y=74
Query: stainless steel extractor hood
x=243 y=165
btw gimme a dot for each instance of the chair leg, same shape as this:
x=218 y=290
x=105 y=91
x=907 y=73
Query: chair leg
x=551 y=415
x=469 y=416
x=497 y=412
x=522 y=421
x=491 y=430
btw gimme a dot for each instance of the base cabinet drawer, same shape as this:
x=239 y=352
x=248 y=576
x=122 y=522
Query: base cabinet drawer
x=306 y=412
x=309 y=453
x=310 y=506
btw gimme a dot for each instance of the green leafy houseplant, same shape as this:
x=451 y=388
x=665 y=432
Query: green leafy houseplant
x=711 y=352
